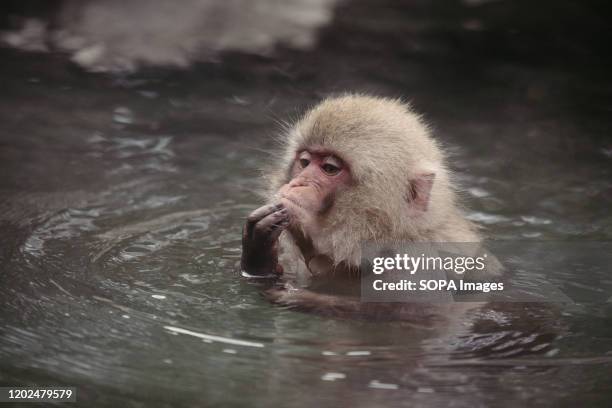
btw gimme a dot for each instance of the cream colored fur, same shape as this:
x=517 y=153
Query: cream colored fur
x=386 y=146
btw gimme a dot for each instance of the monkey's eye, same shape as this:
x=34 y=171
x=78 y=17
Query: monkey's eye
x=331 y=165
x=304 y=159
x=330 y=169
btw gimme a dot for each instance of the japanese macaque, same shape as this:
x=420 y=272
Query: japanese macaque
x=355 y=168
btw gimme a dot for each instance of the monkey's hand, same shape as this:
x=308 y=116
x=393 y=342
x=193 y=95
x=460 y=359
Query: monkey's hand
x=259 y=241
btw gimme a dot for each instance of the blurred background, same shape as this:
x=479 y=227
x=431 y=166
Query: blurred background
x=131 y=134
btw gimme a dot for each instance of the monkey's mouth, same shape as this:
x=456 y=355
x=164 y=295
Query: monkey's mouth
x=295 y=202
x=292 y=200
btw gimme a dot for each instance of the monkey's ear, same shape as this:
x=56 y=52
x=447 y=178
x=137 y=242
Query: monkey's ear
x=419 y=191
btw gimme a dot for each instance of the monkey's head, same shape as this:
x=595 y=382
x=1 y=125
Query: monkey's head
x=358 y=168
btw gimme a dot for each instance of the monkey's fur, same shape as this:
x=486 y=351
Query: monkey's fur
x=387 y=147
x=391 y=156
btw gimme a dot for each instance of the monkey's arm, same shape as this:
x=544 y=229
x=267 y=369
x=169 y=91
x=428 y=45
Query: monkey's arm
x=418 y=314
x=259 y=241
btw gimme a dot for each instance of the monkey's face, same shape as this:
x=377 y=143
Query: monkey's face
x=317 y=176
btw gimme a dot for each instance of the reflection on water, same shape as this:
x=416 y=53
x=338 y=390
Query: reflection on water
x=122 y=200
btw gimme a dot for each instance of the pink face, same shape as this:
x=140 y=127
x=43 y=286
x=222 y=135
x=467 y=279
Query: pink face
x=316 y=176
